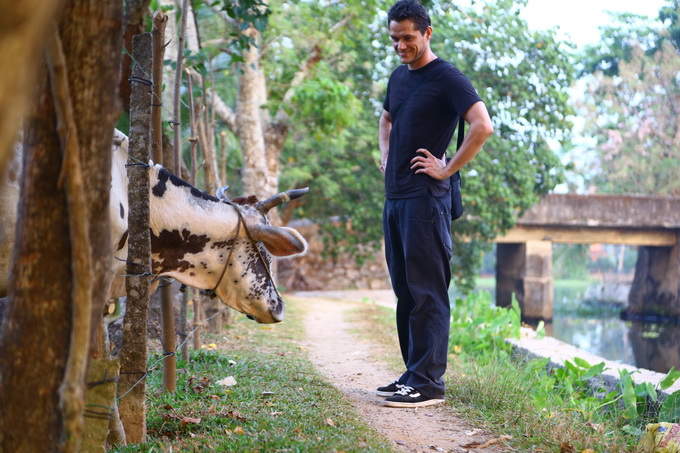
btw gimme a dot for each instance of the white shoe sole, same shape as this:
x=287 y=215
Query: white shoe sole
x=385 y=394
x=403 y=404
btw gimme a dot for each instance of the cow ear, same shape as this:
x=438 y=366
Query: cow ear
x=280 y=241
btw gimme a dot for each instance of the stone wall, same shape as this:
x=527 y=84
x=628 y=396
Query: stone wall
x=313 y=271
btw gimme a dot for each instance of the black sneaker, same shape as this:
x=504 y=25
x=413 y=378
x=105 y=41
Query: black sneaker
x=389 y=390
x=410 y=397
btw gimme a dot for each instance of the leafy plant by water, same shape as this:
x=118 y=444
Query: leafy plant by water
x=548 y=406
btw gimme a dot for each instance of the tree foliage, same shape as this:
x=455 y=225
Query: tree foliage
x=332 y=115
x=524 y=86
x=632 y=111
x=523 y=77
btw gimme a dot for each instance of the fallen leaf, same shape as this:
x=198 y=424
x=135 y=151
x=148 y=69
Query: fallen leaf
x=202 y=385
x=187 y=420
x=588 y=450
x=214 y=397
x=227 y=381
x=595 y=426
x=239 y=430
x=329 y=422
x=488 y=443
x=566 y=447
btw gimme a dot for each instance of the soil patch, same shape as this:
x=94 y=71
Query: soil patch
x=349 y=364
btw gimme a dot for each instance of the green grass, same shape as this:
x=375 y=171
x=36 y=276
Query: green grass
x=279 y=403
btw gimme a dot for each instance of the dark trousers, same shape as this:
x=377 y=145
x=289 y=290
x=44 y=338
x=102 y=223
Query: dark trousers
x=418 y=251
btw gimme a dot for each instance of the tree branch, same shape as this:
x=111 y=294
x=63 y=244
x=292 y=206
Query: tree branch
x=72 y=394
x=221 y=109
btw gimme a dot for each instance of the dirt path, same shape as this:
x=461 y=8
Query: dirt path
x=348 y=364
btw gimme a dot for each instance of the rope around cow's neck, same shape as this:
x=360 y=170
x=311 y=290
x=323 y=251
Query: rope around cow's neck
x=211 y=293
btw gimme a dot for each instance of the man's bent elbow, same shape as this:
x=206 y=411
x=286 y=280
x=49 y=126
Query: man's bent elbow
x=486 y=128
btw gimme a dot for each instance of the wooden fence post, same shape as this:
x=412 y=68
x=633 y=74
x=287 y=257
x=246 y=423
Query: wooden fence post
x=132 y=386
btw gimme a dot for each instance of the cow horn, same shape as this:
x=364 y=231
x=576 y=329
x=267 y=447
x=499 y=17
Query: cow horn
x=221 y=193
x=279 y=199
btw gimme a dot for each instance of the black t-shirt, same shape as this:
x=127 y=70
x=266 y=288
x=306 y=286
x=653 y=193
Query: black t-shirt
x=428 y=120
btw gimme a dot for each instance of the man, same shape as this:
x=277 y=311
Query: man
x=425 y=98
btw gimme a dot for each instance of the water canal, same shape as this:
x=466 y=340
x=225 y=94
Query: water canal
x=598 y=329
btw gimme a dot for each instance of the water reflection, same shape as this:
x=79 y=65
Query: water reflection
x=656 y=346
x=607 y=338
x=644 y=345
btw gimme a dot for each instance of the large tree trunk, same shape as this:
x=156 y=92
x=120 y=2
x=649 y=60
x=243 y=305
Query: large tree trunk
x=23 y=25
x=249 y=124
x=33 y=360
x=37 y=331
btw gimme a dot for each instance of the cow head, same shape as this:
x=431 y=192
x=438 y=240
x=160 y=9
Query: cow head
x=248 y=284
x=221 y=245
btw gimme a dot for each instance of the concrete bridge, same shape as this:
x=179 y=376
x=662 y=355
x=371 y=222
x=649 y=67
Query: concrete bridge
x=524 y=254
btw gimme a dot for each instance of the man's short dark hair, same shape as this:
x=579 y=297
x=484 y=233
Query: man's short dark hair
x=409 y=9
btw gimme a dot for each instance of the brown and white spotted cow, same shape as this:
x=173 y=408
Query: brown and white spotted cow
x=202 y=241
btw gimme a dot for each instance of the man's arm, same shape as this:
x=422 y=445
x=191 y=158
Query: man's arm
x=480 y=129
x=384 y=128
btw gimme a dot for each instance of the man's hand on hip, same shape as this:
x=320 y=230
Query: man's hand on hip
x=430 y=165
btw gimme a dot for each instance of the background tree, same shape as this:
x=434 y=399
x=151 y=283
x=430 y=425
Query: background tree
x=302 y=108
x=524 y=86
x=632 y=107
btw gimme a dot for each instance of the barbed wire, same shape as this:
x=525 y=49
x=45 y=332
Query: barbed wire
x=174 y=119
x=165 y=355
x=157 y=102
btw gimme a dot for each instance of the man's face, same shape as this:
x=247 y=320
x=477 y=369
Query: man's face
x=409 y=43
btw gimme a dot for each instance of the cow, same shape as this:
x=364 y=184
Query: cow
x=215 y=244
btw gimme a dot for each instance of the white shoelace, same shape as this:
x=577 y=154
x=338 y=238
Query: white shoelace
x=405 y=390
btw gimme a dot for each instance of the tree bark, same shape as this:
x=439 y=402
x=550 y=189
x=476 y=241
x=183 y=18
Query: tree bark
x=33 y=361
x=177 y=84
x=167 y=309
x=132 y=387
x=135 y=13
x=24 y=26
x=72 y=393
x=249 y=124
x=38 y=330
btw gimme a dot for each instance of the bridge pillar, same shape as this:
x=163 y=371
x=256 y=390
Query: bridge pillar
x=656 y=286
x=525 y=269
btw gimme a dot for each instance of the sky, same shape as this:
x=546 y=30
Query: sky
x=580 y=19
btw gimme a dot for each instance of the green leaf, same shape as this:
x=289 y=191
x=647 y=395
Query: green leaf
x=581 y=362
x=670 y=379
x=594 y=371
x=670 y=409
x=629 y=398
